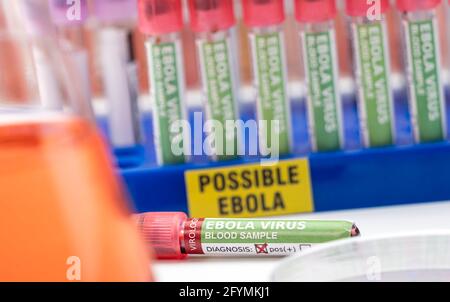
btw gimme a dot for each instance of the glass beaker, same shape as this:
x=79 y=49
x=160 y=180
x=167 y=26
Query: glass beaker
x=63 y=212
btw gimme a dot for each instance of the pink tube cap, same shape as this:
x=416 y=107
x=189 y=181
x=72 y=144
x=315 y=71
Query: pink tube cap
x=415 y=5
x=260 y=13
x=359 y=8
x=314 y=11
x=163 y=231
x=159 y=17
x=64 y=14
x=115 y=10
x=211 y=15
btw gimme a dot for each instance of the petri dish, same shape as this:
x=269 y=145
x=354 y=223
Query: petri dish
x=418 y=257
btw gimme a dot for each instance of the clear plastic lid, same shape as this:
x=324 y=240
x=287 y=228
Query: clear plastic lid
x=410 y=257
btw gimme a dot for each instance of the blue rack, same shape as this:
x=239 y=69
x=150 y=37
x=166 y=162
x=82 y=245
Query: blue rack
x=352 y=178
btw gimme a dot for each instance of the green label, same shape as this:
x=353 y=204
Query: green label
x=168 y=103
x=427 y=87
x=271 y=84
x=322 y=93
x=376 y=95
x=273 y=231
x=221 y=103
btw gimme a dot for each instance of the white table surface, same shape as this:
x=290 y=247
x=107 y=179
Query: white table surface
x=371 y=222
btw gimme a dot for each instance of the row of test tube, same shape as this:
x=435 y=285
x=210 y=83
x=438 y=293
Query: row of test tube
x=213 y=21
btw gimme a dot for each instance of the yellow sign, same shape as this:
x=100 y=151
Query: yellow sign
x=252 y=190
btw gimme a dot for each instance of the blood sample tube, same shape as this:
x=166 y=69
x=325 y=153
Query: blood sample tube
x=372 y=71
x=162 y=22
x=213 y=22
x=317 y=32
x=174 y=235
x=423 y=57
x=265 y=19
x=119 y=70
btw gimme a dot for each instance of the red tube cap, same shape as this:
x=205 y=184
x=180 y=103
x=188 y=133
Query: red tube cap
x=359 y=8
x=159 y=17
x=312 y=11
x=260 y=13
x=415 y=5
x=211 y=15
x=162 y=232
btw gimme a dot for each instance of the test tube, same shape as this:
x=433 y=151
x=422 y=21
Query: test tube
x=162 y=23
x=173 y=235
x=372 y=71
x=119 y=70
x=265 y=19
x=423 y=58
x=317 y=32
x=69 y=28
x=213 y=21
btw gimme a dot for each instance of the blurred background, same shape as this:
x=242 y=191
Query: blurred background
x=62 y=186
x=16 y=91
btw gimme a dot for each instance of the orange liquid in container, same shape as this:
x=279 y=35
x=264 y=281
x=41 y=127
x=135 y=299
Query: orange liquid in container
x=63 y=214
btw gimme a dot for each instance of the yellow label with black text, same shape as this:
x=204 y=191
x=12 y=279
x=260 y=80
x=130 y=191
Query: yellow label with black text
x=252 y=190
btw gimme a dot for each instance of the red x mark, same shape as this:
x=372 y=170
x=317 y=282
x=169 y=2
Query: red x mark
x=261 y=248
